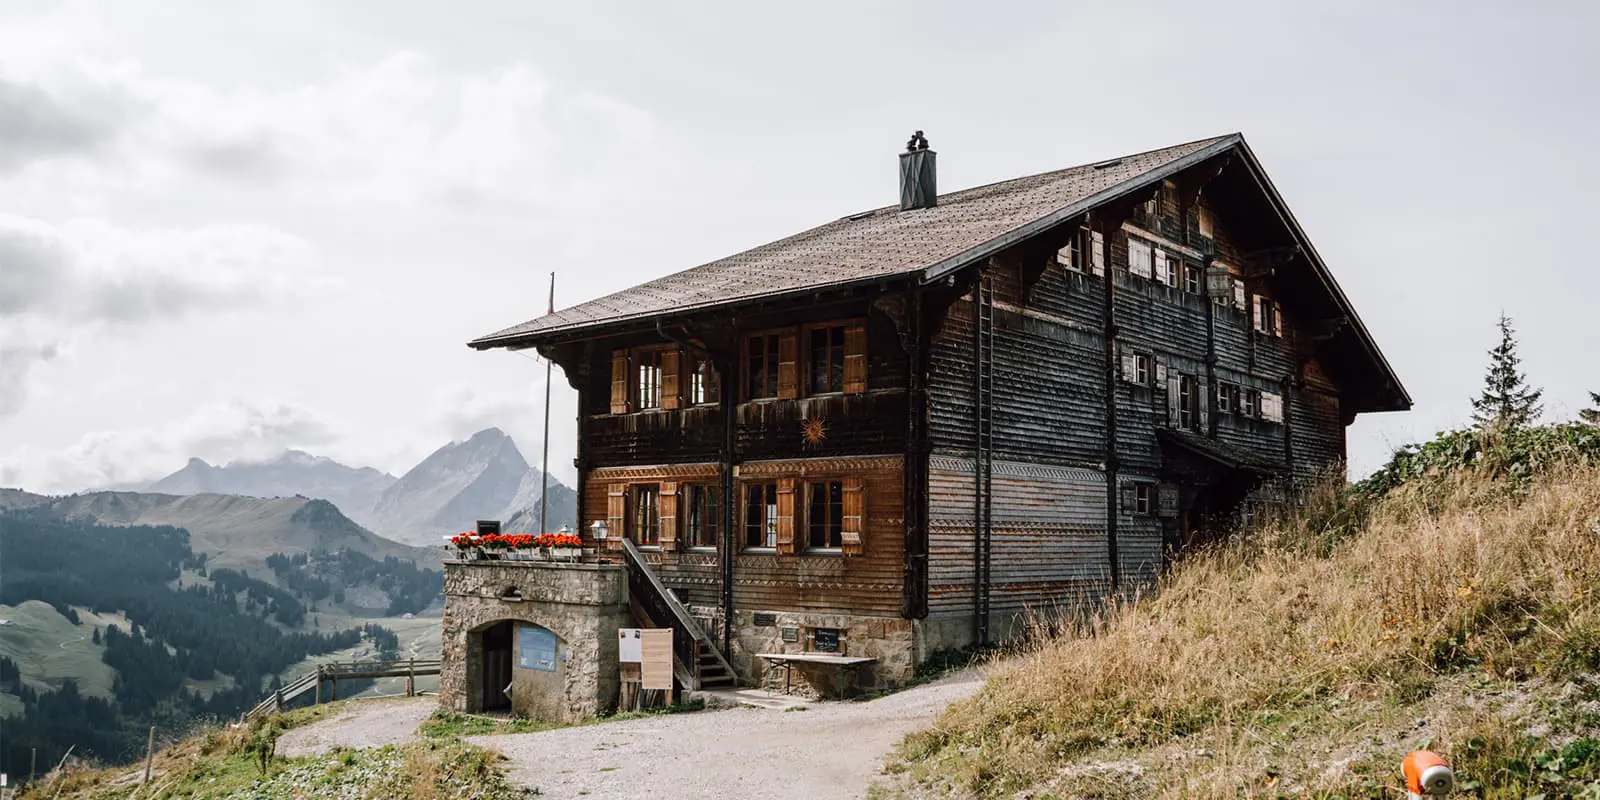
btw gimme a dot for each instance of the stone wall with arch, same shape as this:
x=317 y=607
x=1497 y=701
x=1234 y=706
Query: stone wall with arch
x=582 y=605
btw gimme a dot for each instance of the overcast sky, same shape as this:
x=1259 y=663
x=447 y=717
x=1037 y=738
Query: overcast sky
x=229 y=228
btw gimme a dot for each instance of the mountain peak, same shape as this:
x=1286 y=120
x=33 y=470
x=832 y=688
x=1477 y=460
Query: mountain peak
x=488 y=434
x=196 y=463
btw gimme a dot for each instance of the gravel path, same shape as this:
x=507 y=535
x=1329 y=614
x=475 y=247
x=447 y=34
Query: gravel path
x=830 y=750
x=361 y=724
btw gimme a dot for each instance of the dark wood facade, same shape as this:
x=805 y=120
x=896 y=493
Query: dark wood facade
x=1039 y=427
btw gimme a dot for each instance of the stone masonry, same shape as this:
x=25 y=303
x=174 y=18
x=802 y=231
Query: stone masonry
x=582 y=604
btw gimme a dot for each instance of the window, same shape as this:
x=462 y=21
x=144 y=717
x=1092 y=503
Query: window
x=761 y=514
x=1143 y=498
x=825 y=513
x=1189 y=402
x=1141 y=368
x=1227 y=397
x=1071 y=256
x=704 y=387
x=1139 y=258
x=825 y=351
x=647 y=379
x=1266 y=316
x=1194 y=279
x=761 y=366
x=644 y=528
x=1250 y=402
x=1166 y=268
x=704 y=514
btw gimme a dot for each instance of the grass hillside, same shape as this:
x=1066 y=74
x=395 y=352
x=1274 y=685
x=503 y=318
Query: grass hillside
x=1449 y=602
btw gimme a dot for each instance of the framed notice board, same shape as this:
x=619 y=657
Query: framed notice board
x=536 y=648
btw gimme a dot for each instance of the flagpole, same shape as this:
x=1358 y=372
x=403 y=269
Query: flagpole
x=544 y=468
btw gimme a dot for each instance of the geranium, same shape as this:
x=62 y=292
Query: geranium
x=462 y=540
x=494 y=541
x=559 y=540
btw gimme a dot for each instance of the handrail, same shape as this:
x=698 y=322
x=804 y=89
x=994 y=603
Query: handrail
x=334 y=670
x=684 y=619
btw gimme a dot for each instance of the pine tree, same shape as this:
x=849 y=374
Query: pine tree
x=1591 y=415
x=1507 y=400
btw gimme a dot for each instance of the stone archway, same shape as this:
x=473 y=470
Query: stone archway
x=548 y=631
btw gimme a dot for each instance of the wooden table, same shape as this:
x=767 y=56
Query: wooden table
x=786 y=661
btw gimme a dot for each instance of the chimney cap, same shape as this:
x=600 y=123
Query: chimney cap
x=917 y=142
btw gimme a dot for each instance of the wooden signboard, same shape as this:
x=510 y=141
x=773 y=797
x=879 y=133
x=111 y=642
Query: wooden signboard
x=656 y=664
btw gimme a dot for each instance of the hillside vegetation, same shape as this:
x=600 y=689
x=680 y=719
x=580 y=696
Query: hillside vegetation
x=1449 y=601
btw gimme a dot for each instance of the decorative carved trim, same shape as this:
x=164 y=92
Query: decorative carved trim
x=1018 y=469
x=656 y=472
x=801 y=467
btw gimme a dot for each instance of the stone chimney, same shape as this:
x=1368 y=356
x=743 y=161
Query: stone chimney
x=918 y=183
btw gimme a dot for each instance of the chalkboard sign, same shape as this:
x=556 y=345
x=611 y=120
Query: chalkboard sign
x=765 y=619
x=789 y=634
x=537 y=648
x=825 y=640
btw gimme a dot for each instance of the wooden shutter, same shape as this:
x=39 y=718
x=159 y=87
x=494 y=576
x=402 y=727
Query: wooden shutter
x=1174 y=396
x=854 y=517
x=1129 y=499
x=617 y=510
x=1277 y=319
x=1238 y=294
x=619 y=382
x=1163 y=268
x=855 y=359
x=1205 y=401
x=670 y=360
x=669 y=516
x=1255 y=311
x=1205 y=224
x=1130 y=370
x=1097 y=255
x=788 y=367
x=786 y=515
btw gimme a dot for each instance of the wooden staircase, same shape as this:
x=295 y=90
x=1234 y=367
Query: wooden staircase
x=700 y=664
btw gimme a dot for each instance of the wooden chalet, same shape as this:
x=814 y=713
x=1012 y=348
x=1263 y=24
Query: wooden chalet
x=898 y=431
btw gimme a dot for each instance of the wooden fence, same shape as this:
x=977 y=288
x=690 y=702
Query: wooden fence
x=333 y=671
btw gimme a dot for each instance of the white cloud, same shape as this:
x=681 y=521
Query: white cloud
x=219 y=433
x=60 y=284
x=401 y=132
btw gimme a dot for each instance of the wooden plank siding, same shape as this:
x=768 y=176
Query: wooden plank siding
x=1049 y=411
x=1049 y=536
x=865 y=583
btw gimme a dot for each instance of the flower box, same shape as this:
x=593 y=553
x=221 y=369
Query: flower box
x=565 y=553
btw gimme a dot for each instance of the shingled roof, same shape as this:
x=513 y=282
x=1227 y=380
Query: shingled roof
x=875 y=245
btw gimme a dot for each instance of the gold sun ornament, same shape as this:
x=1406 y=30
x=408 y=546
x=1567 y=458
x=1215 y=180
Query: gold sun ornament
x=813 y=430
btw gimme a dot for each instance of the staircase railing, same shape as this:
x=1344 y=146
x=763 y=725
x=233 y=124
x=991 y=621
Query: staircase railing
x=689 y=641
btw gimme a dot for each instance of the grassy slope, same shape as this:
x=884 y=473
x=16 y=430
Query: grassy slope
x=50 y=649
x=225 y=763
x=1462 y=615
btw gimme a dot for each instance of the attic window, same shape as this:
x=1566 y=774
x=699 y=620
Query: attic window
x=1115 y=162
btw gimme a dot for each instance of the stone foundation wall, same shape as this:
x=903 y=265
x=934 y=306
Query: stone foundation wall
x=582 y=604
x=890 y=640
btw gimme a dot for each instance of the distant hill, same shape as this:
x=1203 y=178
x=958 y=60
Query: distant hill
x=483 y=477
x=241 y=532
x=353 y=489
x=16 y=498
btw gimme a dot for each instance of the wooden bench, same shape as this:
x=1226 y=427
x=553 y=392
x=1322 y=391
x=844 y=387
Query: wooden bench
x=845 y=666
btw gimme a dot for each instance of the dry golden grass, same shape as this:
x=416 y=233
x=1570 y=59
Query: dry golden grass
x=1262 y=666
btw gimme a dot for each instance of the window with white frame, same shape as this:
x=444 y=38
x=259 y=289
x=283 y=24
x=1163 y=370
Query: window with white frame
x=1227 y=397
x=1194 y=279
x=1250 y=402
x=1165 y=268
x=1266 y=316
x=1188 y=401
x=1143 y=499
x=1142 y=368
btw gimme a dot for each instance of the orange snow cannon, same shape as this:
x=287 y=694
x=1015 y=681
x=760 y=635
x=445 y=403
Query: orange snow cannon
x=1427 y=776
